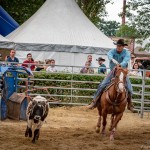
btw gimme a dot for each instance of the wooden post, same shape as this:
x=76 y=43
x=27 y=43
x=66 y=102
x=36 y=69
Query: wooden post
x=124 y=12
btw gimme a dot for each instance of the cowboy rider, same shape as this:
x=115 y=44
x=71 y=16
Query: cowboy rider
x=118 y=56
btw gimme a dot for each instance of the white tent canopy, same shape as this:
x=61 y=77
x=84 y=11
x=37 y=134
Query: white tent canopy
x=5 y=43
x=59 y=26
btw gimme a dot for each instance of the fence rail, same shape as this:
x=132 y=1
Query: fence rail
x=141 y=94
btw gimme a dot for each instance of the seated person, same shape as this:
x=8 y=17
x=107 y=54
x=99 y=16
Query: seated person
x=87 y=68
x=136 y=71
x=28 y=63
x=47 y=62
x=39 y=66
x=52 y=67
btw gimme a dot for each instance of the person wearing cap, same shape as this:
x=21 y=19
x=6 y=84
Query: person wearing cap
x=117 y=56
x=102 y=67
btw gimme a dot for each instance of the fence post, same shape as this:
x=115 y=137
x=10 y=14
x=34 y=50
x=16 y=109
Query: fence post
x=143 y=93
x=71 y=82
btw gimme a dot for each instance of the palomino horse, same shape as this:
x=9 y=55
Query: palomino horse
x=113 y=101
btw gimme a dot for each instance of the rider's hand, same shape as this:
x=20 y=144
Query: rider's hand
x=115 y=61
x=118 y=65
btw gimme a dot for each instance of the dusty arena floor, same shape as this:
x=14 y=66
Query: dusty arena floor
x=73 y=128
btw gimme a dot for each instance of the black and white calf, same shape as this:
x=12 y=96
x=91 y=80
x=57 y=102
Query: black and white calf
x=36 y=113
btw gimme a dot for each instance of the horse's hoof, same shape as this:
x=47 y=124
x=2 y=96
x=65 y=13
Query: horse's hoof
x=97 y=130
x=103 y=133
x=33 y=141
x=111 y=138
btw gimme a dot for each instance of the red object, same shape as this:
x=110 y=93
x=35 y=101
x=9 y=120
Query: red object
x=32 y=67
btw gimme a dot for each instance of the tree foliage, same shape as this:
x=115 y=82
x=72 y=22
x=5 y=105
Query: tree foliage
x=21 y=10
x=109 y=28
x=138 y=13
x=128 y=32
x=93 y=9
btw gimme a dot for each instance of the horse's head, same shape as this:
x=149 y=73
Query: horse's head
x=120 y=78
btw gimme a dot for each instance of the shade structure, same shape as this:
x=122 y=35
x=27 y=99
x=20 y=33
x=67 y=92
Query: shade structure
x=5 y=43
x=59 y=26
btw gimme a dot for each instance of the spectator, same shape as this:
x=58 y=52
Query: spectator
x=89 y=59
x=140 y=65
x=87 y=68
x=6 y=57
x=52 y=67
x=12 y=57
x=47 y=62
x=1 y=64
x=29 y=62
x=38 y=66
x=136 y=71
x=102 y=67
x=0 y=57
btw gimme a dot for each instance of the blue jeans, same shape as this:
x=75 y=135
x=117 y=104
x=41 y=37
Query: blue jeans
x=107 y=81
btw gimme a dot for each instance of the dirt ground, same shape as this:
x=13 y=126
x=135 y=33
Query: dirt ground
x=73 y=128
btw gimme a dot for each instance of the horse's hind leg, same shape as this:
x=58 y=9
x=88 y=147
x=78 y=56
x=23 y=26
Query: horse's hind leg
x=99 y=120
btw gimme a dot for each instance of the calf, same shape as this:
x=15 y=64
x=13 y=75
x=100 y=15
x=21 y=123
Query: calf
x=36 y=113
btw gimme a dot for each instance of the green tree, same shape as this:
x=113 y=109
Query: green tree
x=128 y=32
x=138 y=13
x=109 y=28
x=21 y=10
x=93 y=9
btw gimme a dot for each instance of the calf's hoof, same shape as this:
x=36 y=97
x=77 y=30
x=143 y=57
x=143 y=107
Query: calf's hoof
x=97 y=130
x=26 y=134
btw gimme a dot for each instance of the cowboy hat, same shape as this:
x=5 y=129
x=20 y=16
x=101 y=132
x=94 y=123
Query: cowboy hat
x=120 y=42
x=100 y=59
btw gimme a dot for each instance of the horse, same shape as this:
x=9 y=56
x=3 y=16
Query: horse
x=113 y=101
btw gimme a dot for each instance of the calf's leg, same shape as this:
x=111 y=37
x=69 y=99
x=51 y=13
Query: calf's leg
x=28 y=132
x=36 y=134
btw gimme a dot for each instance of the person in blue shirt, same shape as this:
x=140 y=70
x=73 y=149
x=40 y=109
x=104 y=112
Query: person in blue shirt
x=12 y=57
x=102 y=67
x=116 y=56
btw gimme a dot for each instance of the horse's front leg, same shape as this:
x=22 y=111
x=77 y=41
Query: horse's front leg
x=104 y=114
x=114 y=125
x=99 y=120
x=111 y=122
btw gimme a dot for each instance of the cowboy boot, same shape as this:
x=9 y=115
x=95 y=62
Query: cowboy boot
x=93 y=104
x=130 y=105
